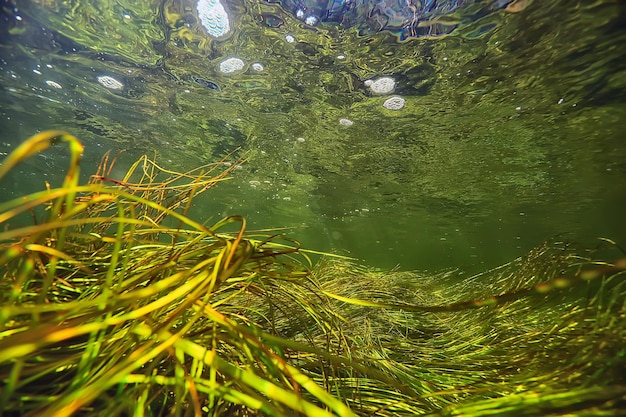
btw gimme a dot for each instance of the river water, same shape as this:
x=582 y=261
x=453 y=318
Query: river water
x=461 y=149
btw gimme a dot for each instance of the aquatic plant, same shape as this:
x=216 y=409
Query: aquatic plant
x=114 y=302
x=548 y=343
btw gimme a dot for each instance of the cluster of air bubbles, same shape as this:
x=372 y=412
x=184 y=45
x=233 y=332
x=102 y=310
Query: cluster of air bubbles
x=265 y=184
x=213 y=17
x=257 y=66
x=394 y=103
x=346 y=122
x=309 y=20
x=110 y=82
x=290 y=39
x=231 y=65
x=381 y=86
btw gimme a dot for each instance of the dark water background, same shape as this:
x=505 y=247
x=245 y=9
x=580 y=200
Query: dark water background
x=512 y=132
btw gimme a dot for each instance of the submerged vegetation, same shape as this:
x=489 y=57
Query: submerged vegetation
x=114 y=302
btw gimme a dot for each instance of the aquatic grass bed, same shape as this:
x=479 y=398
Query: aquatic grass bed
x=115 y=302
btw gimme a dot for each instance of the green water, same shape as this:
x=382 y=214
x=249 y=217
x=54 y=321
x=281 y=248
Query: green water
x=508 y=136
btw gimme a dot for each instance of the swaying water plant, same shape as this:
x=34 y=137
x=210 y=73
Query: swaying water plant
x=115 y=302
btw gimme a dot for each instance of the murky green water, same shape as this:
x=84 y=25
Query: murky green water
x=512 y=129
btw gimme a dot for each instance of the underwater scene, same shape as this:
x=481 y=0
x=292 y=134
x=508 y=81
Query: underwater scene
x=312 y=208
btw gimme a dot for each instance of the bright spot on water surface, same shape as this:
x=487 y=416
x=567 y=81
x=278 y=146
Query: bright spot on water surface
x=346 y=122
x=383 y=85
x=231 y=65
x=53 y=84
x=213 y=17
x=394 y=103
x=110 y=82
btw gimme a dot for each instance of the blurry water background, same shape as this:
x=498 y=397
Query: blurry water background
x=512 y=130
